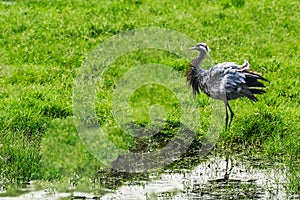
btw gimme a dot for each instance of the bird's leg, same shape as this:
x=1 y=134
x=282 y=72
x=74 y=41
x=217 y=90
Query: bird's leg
x=226 y=118
x=231 y=114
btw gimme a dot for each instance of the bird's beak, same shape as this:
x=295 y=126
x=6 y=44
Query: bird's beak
x=193 y=48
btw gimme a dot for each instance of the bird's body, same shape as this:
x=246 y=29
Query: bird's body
x=225 y=81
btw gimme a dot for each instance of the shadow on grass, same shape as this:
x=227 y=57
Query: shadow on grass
x=156 y=140
x=159 y=148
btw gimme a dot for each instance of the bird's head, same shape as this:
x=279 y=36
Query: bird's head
x=201 y=47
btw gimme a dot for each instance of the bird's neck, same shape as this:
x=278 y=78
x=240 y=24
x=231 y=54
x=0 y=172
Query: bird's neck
x=196 y=63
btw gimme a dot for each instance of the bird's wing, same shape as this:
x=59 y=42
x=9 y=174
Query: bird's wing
x=238 y=80
x=230 y=77
x=233 y=80
x=229 y=80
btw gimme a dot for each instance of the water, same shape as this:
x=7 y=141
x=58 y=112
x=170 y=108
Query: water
x=216 y=178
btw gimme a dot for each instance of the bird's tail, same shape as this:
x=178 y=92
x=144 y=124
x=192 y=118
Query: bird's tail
x=252 y=81
x=252 y=78
x=257 y=91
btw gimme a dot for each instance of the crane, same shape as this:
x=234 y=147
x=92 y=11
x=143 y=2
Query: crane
x=224 y=81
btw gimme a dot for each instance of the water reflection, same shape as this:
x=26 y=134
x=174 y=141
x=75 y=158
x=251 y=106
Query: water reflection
x=216 y=178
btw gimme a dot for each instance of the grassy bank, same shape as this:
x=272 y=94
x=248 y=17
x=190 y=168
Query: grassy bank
x=44 y=43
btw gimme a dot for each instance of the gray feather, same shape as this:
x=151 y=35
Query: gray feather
x=224 y=81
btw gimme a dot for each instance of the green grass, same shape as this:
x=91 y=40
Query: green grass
x=44 y=43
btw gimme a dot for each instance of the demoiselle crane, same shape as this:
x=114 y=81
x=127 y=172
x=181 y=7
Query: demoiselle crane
x=225 y=81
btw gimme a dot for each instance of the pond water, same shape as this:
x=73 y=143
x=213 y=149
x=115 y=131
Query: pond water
x=217 y=177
